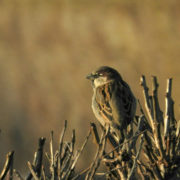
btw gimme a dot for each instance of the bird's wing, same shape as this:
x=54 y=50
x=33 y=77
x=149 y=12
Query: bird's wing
x=115 y=103
x=122 y=102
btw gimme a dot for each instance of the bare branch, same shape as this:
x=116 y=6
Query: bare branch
x=130 y=177
x=95 y=133
x=98 y=156
x=147 y=98
x=38 y=156
x=61 y=141
x=7 y=165
x=18 y=175
x=168 y=107
x=79 y=153
x=32 y=171
x=158 y=119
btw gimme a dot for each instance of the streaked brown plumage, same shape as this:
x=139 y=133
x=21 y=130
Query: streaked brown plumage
x=113 y=102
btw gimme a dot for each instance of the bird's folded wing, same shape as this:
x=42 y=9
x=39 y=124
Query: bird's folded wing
x=121 y=104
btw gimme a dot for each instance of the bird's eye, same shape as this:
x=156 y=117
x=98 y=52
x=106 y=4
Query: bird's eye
x=98 y=74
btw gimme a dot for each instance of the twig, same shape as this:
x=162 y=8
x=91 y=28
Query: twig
x=69 y=163
x=98 y=156
x=79 y=153
x=37 y=162
x=95 y=134
x=168 y=107
x=52 y=165
x=146 y=121
x=158 y=118
x=127 y=141
x=7 y=165
x=43 y=173
x=140 y=128
x=149 y=109
x=146 y=97
x=130 y=177
x=18 y=175
x=31 y=168
x=73 y=141
x=61 y=141
x=81 y=173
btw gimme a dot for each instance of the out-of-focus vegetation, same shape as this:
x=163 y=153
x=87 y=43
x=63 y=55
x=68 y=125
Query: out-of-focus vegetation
x=48 y=47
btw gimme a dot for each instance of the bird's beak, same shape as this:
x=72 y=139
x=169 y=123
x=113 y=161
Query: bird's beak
x=91 y=76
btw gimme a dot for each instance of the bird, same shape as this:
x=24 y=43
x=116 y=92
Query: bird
x=113 y=102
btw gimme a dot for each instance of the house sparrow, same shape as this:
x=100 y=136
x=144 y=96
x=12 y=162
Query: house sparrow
x=113 y=102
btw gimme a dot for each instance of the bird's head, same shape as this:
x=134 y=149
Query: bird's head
x=103 y=75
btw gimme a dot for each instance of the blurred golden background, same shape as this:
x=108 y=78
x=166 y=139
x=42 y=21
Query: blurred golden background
x=48 y=47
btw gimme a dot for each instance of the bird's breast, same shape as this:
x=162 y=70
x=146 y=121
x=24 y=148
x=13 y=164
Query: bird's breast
x=96 y=110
